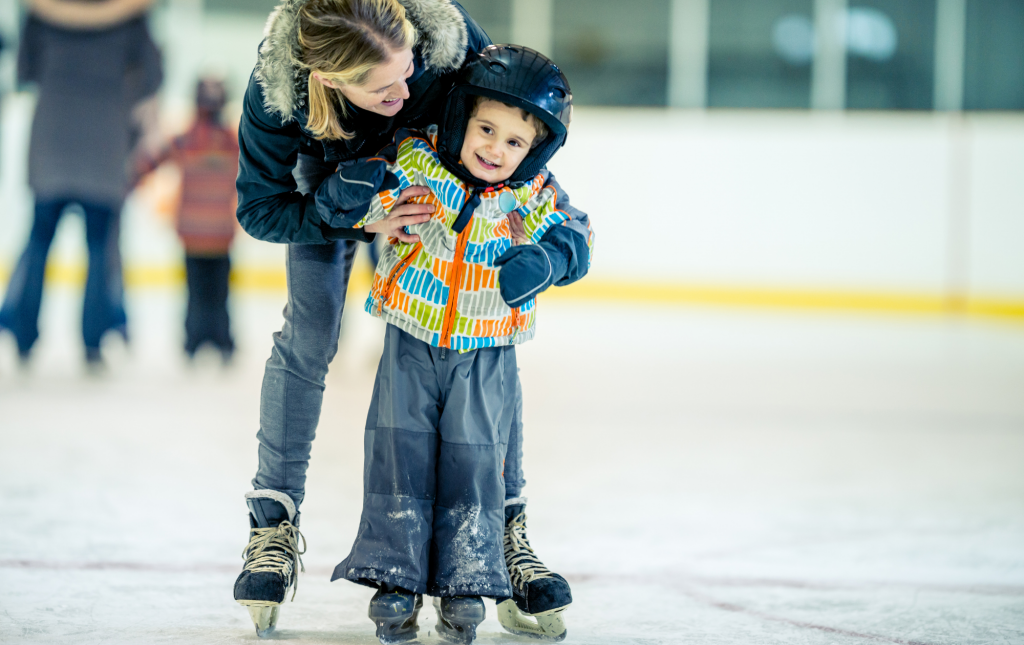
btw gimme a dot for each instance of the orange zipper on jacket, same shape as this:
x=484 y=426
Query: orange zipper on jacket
x=456 y=281
x=396 y=273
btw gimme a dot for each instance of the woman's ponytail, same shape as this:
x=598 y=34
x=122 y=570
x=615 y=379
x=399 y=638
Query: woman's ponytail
x=324 y=105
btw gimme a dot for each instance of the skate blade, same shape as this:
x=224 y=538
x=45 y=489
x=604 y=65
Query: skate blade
x=464 y=633
x=548 y=626
x=395 y=631
x=389 y=634
x=456 y=633
x=393 y=627
x=264 y=617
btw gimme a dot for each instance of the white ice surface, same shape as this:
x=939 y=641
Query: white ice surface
x=705 y=477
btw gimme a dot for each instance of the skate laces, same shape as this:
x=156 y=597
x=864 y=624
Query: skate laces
x=523 y=564
x=276 y=550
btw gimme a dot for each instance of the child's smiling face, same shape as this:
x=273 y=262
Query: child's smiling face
x=497 y=140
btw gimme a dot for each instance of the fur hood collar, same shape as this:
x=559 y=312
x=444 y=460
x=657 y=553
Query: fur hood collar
x=442 y=44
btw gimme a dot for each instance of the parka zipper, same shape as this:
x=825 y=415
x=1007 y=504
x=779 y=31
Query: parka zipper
x=462 y=227
x=515 y=326
x=458 y=263
x=395 y=274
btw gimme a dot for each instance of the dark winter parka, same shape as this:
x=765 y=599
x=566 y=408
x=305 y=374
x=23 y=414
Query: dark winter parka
x=88 y=82
x=272 y=131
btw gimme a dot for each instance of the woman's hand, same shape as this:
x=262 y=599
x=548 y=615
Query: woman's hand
x=402 y=215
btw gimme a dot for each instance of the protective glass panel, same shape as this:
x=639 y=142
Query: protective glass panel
x=495 y=16
x=890 y=62
x=263 y=7
x=994 y=60
x=760 y=53
x=613 y=52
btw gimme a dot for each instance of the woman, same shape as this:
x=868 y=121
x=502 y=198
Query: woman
x=334 y=79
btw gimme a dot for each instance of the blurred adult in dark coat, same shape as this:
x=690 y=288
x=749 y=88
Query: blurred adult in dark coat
x=89 y=81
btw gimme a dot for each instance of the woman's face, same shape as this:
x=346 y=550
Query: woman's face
x=384 y=91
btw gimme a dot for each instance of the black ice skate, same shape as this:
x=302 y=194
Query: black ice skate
x=538 y=596
x=458 y=617
x=271 y=558
x=395 y=611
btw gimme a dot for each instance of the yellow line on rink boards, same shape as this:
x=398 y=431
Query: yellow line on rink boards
x=595 y=290
x=776 y=298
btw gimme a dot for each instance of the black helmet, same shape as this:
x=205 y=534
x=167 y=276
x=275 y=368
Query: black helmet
x=518 y=76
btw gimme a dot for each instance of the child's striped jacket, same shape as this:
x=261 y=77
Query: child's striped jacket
x=444 y=289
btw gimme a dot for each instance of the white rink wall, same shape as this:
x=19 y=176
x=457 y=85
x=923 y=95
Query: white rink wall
x=914 y=203
x=926 y=204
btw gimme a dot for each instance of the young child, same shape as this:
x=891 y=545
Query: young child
x=207 y=155
x=457 y=302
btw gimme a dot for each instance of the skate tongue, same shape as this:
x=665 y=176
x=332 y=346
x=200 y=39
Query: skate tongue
x=512 y=511
x=265 y=512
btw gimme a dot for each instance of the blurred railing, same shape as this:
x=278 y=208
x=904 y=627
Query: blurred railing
x=873 y=211
x=911 y=210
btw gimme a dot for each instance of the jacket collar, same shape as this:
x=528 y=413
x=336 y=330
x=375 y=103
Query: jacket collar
x=442 y=43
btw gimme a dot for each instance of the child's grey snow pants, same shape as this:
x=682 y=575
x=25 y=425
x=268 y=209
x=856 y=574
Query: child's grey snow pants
x=433 y=494
x=293 y=384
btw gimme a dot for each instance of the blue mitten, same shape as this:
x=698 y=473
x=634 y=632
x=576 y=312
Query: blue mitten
x=344 y=197
x=529 y=269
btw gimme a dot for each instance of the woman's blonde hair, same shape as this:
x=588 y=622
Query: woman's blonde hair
x=343 y=40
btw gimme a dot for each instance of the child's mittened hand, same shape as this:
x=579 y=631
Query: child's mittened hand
x=527 y=270
x=344 y=197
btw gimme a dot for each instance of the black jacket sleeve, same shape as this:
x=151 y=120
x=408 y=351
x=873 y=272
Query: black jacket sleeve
x=269 y=206
x=28 y=51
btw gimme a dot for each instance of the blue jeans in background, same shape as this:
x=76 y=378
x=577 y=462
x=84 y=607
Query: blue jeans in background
x=104 y=306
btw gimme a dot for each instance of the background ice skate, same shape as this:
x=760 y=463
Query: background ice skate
x=843 y=465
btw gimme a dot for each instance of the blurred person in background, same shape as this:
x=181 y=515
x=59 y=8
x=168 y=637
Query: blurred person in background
x=3 y=45
x=333 y=81
x=207 y=156
x=90 y=79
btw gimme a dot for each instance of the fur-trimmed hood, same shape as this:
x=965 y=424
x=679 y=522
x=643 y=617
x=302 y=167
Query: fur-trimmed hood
x=442 y=44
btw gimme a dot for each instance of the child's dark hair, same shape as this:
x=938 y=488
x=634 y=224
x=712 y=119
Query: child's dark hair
x=211 y=95
x=539 y=126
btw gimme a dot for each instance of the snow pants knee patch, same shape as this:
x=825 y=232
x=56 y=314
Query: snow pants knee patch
x=436 y=436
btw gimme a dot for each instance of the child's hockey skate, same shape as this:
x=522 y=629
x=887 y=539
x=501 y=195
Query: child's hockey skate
x=458 y=617
x=394 y=611
x=271 y=558
x=538 y=596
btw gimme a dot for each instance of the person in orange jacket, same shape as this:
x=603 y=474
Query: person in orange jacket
x=207 y=156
